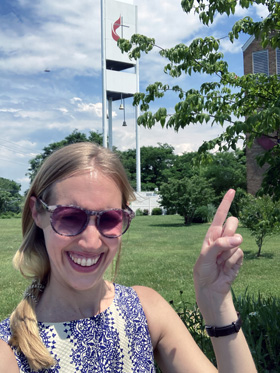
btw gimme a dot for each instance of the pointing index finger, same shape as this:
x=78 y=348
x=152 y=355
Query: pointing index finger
x=223 y=209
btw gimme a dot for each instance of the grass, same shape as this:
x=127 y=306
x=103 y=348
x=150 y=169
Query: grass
x=12 y=283
x=160 y=252
x=157 y=251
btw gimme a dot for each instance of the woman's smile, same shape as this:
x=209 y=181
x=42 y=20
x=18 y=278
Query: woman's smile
x=84 y=264
x=83 y=261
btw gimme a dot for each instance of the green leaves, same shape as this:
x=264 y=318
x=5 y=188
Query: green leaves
x=261 y=216
x=143 y=44
x=10 y=198
x=74 y=137
x=185 y=195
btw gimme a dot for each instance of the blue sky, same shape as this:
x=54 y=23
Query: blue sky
x=38 y=107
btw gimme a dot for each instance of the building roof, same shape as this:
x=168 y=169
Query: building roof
x=248 y=42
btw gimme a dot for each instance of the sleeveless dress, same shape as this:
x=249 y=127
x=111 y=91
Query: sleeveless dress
x=116 y=340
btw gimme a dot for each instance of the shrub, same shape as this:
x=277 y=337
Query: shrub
x=261 y=216
x=185 y=195
x=9 y=215
x=201 y=215
x=139 y=212
x=157 y=211
x=261 y=326
x=145 y=212
x=170 y=212
x=204 y=214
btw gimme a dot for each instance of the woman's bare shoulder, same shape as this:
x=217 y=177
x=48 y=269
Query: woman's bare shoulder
x=154 y=305
x=7 y=358
x=146 y=293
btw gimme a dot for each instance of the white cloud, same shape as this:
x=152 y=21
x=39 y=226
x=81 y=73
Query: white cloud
x=42 y=115
x=23 y=180
x=184 y=148
x=91 y=108
x=63 y=110
x=10 y=110
x=261 y=10
x=159 y=19
x=64 y=34
x=75 y=99
x=228 y=47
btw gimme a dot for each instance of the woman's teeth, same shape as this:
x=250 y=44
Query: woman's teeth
x=85 y=262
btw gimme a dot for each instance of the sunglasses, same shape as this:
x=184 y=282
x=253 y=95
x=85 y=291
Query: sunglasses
x=73 y=220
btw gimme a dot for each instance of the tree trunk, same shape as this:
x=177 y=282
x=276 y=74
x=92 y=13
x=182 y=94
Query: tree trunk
x=260 y=242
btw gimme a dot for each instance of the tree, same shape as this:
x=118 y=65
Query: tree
x=184 y=196
x=223 y=170
x=261 y=216
x=10 y=197
x=128 y=159
x=248 y=104
x=155 y=162
x=74 y=137
x=226 y=170
x=184 y=165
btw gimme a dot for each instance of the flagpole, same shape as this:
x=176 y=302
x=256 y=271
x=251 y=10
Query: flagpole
x=103 y=62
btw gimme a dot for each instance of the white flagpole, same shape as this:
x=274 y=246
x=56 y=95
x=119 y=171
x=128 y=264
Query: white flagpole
x=103 y=62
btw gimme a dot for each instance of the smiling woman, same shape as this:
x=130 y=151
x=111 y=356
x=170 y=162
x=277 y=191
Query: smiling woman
x=71 y=319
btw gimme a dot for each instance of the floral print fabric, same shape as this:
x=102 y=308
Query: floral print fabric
x=116 y=340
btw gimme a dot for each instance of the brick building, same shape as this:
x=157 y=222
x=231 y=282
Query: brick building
x=267 y=61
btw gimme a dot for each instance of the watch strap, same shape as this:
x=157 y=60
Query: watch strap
x=222 y=331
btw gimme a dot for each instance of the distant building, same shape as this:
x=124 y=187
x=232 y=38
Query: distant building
x=267 y=61
x=145 y=201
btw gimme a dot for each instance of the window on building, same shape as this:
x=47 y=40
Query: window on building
x=260 y=62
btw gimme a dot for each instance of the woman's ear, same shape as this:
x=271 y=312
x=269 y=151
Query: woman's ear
x=34 y=212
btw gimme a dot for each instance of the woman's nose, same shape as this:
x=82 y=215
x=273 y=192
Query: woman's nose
x=91 y=235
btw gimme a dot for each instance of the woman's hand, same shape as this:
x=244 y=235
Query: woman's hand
x=220 y=257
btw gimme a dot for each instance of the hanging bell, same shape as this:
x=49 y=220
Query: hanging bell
x=121 y=107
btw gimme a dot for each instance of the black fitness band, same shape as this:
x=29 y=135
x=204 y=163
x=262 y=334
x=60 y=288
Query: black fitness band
x=214 y=331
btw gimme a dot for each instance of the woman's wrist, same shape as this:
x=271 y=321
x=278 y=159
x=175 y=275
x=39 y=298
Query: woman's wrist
x=223 y=331
x=217 y=309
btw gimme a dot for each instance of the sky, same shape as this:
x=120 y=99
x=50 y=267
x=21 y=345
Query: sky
x=64 y=38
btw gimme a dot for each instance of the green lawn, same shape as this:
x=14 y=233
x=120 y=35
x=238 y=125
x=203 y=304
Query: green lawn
x=158 y=251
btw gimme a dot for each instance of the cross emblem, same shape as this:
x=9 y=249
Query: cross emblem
x=115 y=26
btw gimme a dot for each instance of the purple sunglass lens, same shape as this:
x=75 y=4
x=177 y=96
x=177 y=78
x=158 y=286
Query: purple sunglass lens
x=69 y=220
x=113 y=223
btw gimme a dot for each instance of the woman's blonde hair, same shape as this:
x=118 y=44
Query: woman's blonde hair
x=32 y=258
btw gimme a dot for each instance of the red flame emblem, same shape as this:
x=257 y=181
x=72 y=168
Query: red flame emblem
x=115 y=26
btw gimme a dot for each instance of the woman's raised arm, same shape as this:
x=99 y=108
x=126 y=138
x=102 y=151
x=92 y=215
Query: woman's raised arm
x=214 y=272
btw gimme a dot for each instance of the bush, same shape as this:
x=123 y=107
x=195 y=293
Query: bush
x=145 y=212
x=201 y=215
x=170 y=212
x=261 y=326
x=157 y=211
x=9 y=215
x=261 y=216
x=139 y=212
x=204 y=214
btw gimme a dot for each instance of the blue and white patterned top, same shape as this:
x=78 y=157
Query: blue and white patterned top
x=116 y=340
